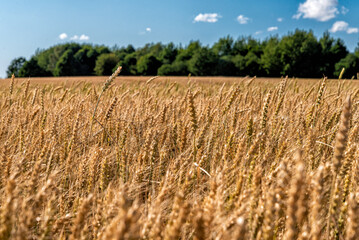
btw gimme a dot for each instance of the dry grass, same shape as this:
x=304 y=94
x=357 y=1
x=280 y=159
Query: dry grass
x=178 y=158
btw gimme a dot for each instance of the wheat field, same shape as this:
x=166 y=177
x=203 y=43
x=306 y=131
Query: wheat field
x=179 y=159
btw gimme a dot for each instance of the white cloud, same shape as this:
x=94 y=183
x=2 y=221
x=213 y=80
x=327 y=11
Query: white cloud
x=258 y=32
x=341 y=26
x=297 y=16
x=207 y=17
x=242 y=19
x=344 y=10
x=146 y=31
x=352 y=30
x=63 y=36
x=280 y=19
x=321 y=10
x=84 y=37
x=271 y=29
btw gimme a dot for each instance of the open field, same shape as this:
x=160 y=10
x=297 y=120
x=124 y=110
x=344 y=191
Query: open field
x=179 y=158
x=129 y=79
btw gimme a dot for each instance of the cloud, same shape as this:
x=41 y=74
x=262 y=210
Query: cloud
x=207 y=17
x=297 y=16
x=341 y=26
x=258 y=32
x=83 y=37
x=344 y=10
x=242 y=19
x=146 y=31
x=320 y=10
x=63 y=36
x=271 y=29
x=352 y=30
x=280 y=19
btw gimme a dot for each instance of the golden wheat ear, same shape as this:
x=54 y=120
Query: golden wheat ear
x=342 y=136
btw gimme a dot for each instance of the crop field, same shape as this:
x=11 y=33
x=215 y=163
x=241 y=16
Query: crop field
x=69 y=81
x=179 y=158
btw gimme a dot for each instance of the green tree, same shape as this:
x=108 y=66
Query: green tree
x=31 y=68
x=65 y=66
x=105 y=64
x=271 y=58
x=47 y=59
x=121 y=53
x=225 y=66
x=332 y=52
x=247 y=65
x=244 y=45
x=148 y=65
x=300 y=54
x=15 y=66
x=223 y=47
x=85 y=60
x=150 y=49
x=129 y=64
x=240 y=47
x=168 y=54
x=177 y=68
x=252 y=64
x=185 y=54
x=351 y=65
x=202 y=63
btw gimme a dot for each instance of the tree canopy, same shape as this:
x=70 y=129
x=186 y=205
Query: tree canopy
x=297 y=54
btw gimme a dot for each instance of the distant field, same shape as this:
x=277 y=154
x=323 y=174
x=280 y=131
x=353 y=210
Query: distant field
x=181 y=79
x=96 y=79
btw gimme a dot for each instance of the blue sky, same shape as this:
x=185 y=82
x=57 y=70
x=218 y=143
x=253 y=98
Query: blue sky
x=28 y=25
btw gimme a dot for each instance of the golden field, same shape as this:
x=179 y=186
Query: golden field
x=179 y=158
x=130 y=79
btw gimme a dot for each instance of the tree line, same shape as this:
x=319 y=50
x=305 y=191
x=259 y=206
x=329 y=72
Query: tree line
x=297 y=54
